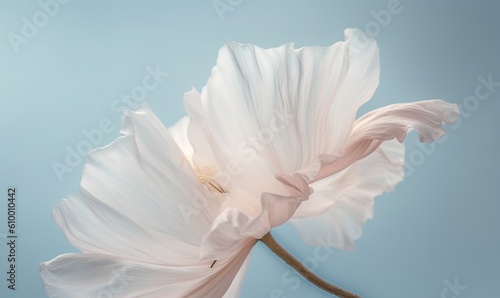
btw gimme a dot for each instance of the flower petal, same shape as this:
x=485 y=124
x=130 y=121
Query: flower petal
x=139 y=198
x=129 y=220
x=233 y=227
x=276 y=111
x=341 y=203
x=91 y=275
x=318 y=90
x=235 y=288
x=197 y=133
x=389 y=122
x=179 y=132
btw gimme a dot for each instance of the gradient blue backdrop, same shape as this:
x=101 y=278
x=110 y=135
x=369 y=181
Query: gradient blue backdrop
x=440 y=224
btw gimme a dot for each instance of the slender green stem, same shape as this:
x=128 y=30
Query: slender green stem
x=302 y=270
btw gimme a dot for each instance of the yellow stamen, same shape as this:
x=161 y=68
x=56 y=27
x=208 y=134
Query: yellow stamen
x=205 y=176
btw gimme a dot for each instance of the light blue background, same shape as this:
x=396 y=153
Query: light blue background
x=440 y=223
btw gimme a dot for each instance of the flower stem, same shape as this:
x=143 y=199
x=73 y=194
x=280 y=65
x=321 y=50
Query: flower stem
x=300 y=268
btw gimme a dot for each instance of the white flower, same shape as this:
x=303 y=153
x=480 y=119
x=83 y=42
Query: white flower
x=176 y=213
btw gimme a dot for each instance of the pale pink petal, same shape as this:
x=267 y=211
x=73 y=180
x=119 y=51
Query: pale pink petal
x=197 y=133
x=235 y=288
x=341 y=203
x=92 y=275
x=94 y=227
x=179 y=132
x=140 y=216
x=277 y=111
x=139 y=198
x=306 y=99
x=389 y=122
x=231 y=170
x=233 y=227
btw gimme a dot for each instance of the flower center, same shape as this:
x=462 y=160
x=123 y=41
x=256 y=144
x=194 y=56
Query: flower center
x=205 y=176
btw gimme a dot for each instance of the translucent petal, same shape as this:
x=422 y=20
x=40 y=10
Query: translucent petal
x=138 y=196
x=297 y=103
x=92 y=275
x=179 y=132
x=394 y=121
x=341 y=203
x=232 y=227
